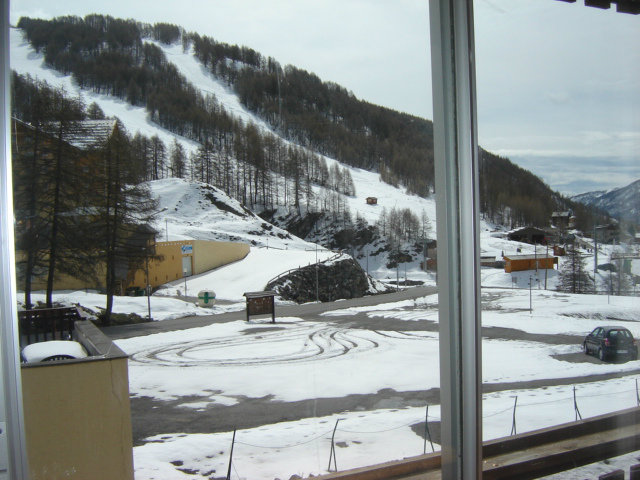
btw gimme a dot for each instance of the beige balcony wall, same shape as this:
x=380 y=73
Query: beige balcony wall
x=78 y=417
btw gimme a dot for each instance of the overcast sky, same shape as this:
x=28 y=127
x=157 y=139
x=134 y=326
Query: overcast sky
x=558 y=83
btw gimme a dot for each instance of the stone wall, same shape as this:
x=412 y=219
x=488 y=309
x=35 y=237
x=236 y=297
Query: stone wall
x=340 y=279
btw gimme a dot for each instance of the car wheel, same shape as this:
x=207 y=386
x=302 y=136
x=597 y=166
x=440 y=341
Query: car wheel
x=601 y=354
x=585 y=348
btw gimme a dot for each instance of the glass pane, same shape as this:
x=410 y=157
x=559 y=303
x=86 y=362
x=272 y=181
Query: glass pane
x=557 y=97
x=217 y=131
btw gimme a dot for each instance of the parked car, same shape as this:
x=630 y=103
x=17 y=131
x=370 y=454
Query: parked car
x=610 y=342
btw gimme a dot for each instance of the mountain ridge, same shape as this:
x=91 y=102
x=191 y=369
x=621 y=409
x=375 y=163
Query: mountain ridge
x=622 y=203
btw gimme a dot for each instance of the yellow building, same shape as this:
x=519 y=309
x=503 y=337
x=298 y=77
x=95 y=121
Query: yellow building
x=173 y=260
x=184 y=258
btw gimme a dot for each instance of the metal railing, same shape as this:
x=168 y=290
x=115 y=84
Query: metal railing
x=284 y=274
x=41 y=325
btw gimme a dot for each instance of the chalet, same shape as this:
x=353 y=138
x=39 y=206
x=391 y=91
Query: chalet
x=83 y=135
x=80 y=141
x=562 y=220
x=559 y=251
x=609 y=233
x=530 y=235
x=372 y=200
x=519 y=263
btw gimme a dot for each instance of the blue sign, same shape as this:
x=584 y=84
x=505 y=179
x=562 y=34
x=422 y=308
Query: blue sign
x=186 y=249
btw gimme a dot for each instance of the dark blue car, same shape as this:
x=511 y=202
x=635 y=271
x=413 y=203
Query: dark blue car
x=611 y=342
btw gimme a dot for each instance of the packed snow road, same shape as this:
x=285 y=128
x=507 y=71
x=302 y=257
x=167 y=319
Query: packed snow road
x=303 y=311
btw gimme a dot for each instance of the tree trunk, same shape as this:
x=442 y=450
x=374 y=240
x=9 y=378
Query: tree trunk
x=53 y=241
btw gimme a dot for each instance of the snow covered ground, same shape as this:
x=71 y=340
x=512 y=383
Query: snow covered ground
x=227 y=363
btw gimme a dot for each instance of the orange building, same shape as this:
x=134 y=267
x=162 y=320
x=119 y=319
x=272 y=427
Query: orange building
x=518 y=263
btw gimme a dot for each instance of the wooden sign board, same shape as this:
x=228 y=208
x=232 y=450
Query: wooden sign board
x=261 y=303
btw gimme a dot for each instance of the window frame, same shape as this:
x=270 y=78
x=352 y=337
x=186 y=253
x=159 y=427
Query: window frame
x=457 y=219
x=11 y=415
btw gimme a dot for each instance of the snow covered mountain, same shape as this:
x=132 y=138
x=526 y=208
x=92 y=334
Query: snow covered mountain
x=198 y=211
x=194 y=210
x=25 y=60
x=622 y=203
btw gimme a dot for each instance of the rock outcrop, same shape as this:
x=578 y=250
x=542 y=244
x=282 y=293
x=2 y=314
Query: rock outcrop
x=342 y=278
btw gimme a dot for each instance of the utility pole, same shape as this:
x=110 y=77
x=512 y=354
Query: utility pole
x=367 y=250
x=424 y=254
x=595 y=251
x=148 y=285
x=546 y=267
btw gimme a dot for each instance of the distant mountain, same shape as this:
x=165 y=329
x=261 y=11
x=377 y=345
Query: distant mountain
x=622 y=203
x=588 y=198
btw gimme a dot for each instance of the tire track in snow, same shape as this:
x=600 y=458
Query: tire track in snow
x=300 y=344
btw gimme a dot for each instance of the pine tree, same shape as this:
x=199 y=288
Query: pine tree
x=158 y=156
x=94 y=112
x=573 y=276
x=425 y=225
x=126 y=208
x=66 y=115
x=31 y=103
x=178 y=160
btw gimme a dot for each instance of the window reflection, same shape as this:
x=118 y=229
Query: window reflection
x=540 y=367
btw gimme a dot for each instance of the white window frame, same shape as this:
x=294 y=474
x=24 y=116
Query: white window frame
x=11 y=417
x=457 y=219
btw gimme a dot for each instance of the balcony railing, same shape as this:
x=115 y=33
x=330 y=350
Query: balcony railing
x=41 y=325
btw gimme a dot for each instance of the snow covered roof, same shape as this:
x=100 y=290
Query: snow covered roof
x=527 y=257
x=84 y=134
x=89 y=133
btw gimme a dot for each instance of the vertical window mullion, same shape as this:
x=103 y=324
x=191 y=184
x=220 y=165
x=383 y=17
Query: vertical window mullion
x=456 y=167
x=11 y=417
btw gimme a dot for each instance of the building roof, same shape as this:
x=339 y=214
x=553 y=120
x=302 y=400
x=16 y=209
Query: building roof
x=90 y=133
x=526 y=230
x=527 y=257
x=84 y=134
